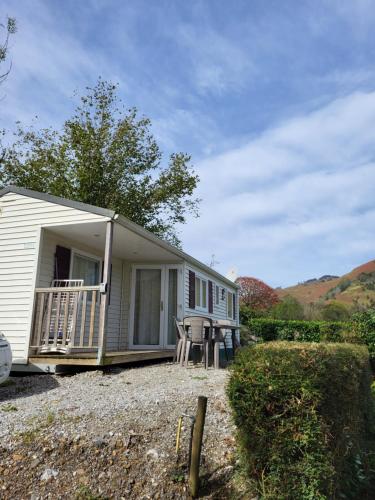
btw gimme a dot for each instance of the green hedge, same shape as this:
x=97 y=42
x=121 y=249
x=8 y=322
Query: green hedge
x=304 y=413
x=300 y=330
x=360 y=330
x=364 y=328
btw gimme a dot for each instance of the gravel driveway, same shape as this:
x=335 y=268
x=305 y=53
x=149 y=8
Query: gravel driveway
x=111 y=434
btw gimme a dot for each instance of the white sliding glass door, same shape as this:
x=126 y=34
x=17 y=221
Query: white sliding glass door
x=155 y=302
x=147 y=307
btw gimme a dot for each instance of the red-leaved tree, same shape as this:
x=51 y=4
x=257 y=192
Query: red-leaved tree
x=255 y=293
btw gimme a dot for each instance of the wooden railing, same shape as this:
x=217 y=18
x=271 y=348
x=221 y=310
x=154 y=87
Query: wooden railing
x=66 y=319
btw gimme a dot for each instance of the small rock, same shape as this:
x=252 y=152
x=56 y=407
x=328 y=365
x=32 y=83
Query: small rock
x=99 y=442
x=35 y=463
x=152 y=454
x=49 y=474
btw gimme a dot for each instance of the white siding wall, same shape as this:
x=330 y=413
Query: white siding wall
x=20 y=221
x=219 y=310
x=125 y=306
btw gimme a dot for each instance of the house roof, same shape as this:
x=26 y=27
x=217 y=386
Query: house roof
x=123 y=221
x=59 y=200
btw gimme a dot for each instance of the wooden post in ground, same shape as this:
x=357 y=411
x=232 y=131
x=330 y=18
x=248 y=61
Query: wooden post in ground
x=103 y=313
x=197 y=446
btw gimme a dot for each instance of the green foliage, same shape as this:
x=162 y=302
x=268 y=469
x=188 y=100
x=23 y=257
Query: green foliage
x=335 y=311
x=364 y=328
x=247 y=313
x=302 y=331
x=287 y=308
x=105 y=156
x=305 y=420
x=368 y=279
x=9 y=407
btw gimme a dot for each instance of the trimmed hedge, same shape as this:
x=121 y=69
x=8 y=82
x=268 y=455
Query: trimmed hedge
x=301 y=331
x=360 y=330
x=304 y=413
x=364 y=328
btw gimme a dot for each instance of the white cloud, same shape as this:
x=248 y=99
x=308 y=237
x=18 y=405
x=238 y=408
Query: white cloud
x=218 y=63
x=50 y=63
x=307 y=183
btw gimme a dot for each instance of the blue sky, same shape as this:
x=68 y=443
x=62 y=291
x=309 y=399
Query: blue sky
x=274 y=100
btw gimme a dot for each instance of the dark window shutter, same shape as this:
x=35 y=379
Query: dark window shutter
x=62 y=263
x=234 y=306
x=210 y=297
x=191 y=289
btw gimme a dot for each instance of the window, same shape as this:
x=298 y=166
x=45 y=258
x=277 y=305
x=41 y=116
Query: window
x=85 y=268
x=201 y=293
x=230 y=304
x=217 y=295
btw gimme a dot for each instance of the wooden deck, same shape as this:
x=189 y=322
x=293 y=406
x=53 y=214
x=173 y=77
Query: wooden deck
x=90 y=358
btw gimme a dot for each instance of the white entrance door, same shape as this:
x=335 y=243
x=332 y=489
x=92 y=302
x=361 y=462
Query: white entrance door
x=155 y=302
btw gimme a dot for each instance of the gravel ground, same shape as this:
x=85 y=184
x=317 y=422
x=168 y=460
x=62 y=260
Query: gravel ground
x=112 y=434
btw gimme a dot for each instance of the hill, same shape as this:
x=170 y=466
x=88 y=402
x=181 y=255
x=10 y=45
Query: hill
x=357 y=286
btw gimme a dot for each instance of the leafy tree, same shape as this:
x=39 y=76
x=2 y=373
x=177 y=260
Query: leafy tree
x=288 y=308
x=335 y=311
x=105 y=155
x=10 y=28
x=313 y=311
x=255 y=294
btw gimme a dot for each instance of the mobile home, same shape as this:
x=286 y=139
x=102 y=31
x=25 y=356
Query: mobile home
x=84 y=285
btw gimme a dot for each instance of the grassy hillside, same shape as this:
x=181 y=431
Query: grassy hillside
x=356 y=286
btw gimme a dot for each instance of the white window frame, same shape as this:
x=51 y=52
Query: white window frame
x=230 y=301
x=76 y=251
x=201 y=280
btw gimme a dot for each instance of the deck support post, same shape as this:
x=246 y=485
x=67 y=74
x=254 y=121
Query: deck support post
x=103 y=314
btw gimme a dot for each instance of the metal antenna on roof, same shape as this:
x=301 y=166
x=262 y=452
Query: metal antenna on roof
x=213 y=261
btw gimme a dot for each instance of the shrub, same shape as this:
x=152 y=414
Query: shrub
x=247 y=313
x=335 y=311
x=289 y=308
x=302 y=331
x=364 y=328
x=304 y=413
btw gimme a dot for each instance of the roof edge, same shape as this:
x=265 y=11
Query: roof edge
x=78 y=205
x=121 y=219
x=141 y=231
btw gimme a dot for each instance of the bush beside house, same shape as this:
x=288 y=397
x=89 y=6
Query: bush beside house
x=360 y=330
x=299 y=330
x=363 y=325
x=305 y=419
